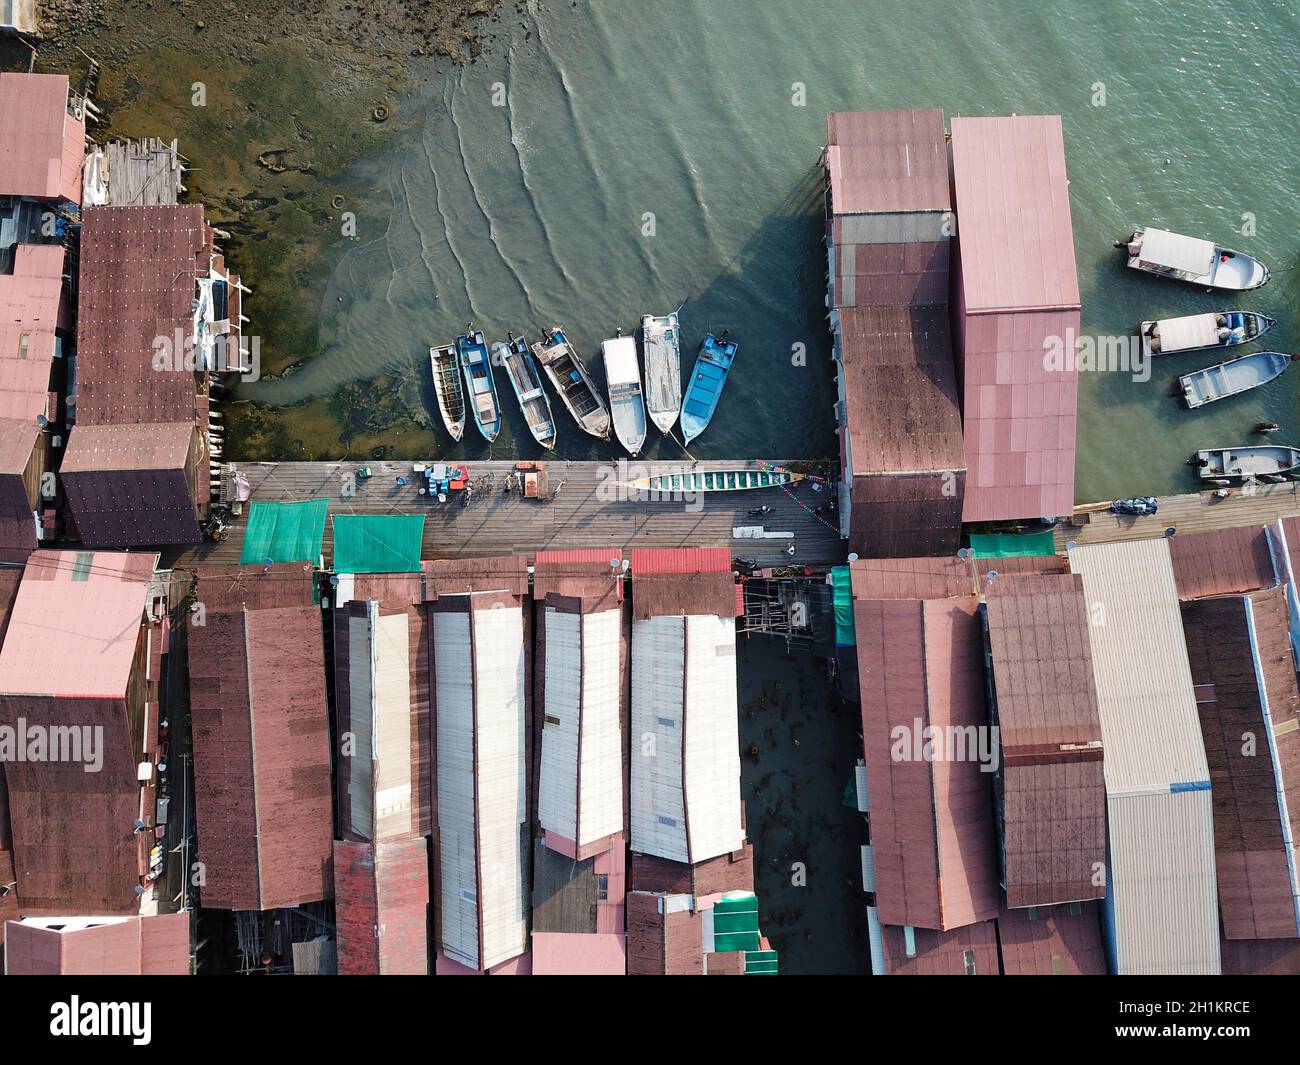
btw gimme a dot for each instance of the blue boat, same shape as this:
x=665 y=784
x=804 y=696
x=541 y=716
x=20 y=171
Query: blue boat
x=705 y=387
x=480 y=385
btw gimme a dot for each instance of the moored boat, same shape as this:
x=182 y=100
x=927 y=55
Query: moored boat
x=447 y=387
x=1223 y=329
x=705 y=387
x=626 y=402
x=661 y=343
x=527 y=385
x=1200 y=262
x=1233 y=377
x=714 y=480
x=480 y=385
x=561 y=362
x=1246 y=462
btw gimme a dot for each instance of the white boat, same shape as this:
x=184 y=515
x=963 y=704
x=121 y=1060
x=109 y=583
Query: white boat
x=661 y=343
x=626 y=403
x=447 y=387
x=1247 y=462
x=527 y=384
x=1232 y=377
x=1200 y=262
x=1221 y=329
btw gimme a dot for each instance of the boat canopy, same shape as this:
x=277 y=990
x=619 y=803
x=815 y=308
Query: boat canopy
x=1173 y=251
x=621 y=366
x=1193 y=331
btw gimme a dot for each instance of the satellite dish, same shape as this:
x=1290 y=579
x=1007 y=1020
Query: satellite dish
x=1070 y=545
x=853 y=556
x=965 y=552
x=42 y=421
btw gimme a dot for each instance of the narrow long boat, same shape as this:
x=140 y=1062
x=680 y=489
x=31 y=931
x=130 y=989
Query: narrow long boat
x=705 y=387
x=561 y=362
x=447 y=386
x=661 y=343
x=480 y=385
x=626 y=401
x=526 y=382
x=1247 y=462
x=714 y=480
x=1233 y=377
x=1221 y=329
x=1199 y=262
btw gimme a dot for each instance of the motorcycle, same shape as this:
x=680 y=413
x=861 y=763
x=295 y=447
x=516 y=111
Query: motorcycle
x=759 y=512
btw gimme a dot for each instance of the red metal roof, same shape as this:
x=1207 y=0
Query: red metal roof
x=459 y=575
x=972 y=950
x=686 y=580
x=87 y=946
x=381 y=903
x=1222 y=561
x=938 y=578
x=1052 y=941
x=41 y=145
x=1014 y=232
x=680 y=560
x=887 y=161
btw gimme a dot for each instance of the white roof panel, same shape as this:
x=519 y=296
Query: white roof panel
x=1177 y=252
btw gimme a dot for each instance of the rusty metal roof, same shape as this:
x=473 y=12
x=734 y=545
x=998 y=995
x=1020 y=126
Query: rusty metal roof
x=381 y=904
x=1052 y=941
x=686 y=580
x=1222 y=561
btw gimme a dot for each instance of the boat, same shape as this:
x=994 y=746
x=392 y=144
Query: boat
x=1247 y=462
x=714 y=480
x=446 y=383
x=626 y=401
x=705 y=387
x=1223 y=329
x=527 y=384
x=480 y=386
x=561 y=362
x=1142 y=505
x=661 y=343
x=1201 y=262
x=1232 y=377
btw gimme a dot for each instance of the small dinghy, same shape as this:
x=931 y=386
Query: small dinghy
x=663 y=369
x=561 y=362
x=1247 y=462
x=447 y=386
x=714 y=481
x=1201 y=262
x=705 y=388
x=527 y=384
x=626 y=402
x=480 y=386
x=1222 y=330
x=1233 y=377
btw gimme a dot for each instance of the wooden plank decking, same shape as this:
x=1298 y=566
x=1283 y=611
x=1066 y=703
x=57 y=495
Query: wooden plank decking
x=588 y=512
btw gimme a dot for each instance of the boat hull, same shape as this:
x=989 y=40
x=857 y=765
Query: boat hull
x=447 y=388
x=714 y=481
x=712 y=367
x=626 y=399
x=661 y=343
x=1244 y=463
x=1232 y=378
x=568 y=375
x=480 y=385
x=526 y=383
x=1197 y=332
x=1198 y=262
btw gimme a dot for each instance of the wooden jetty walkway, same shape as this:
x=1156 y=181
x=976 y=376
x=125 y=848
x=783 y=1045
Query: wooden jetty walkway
x=589 y=511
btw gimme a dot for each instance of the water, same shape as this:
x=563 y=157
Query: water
x=608 y=159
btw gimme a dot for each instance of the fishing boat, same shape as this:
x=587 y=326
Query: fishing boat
x=661 y=343
x=1245 y=462
x=1223 y=329
x=705 y=388
x=714 y=480
x=626 y=402
x=1201 y=262
x=480 y=386
x=446 y=383
x=561 y=362
x=1233 y=377
x=527 y=383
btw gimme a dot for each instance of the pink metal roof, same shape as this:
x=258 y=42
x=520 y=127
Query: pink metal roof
x=86 y=946
x=579 y=954
x=41 y=145
x=1013 y=214
x=30 y=303
x=79 y=607
x=1052 y=941
x=381 y=893
x=971 y=950
x=1019 y=417
x=887 y=161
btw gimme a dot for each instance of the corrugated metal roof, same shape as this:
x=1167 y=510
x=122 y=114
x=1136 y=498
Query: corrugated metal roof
x=1052 y=941
x=968 y=951
x=937 y=578
x=381 y=902
x=1222 y=561
x=105 y=448
x=1261 y=957
x=31 y=299
x=579 y=954
x=669 y=582
x=158 y=945
x=1014 y=232
x=41 y=144
x=884 y=161
x=132 y=508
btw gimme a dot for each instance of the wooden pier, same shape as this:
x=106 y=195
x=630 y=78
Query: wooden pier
x=590 y=510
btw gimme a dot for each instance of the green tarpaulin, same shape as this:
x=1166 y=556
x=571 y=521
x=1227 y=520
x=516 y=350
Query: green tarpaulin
x=378 y=543
x=1012 y=545
x=285 y=532
x=845 y=635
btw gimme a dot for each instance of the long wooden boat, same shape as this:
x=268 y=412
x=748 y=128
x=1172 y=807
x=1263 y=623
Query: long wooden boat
x=705 y=388
x=661 y=342
x=714 y=480
x=1222 y=329
x=1200 y=262
x=447 y=386
x=527 y=384
x=1233 y=377
x=561 y=362
x=626 y=401
x=1247 y=462
x=480 y=385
